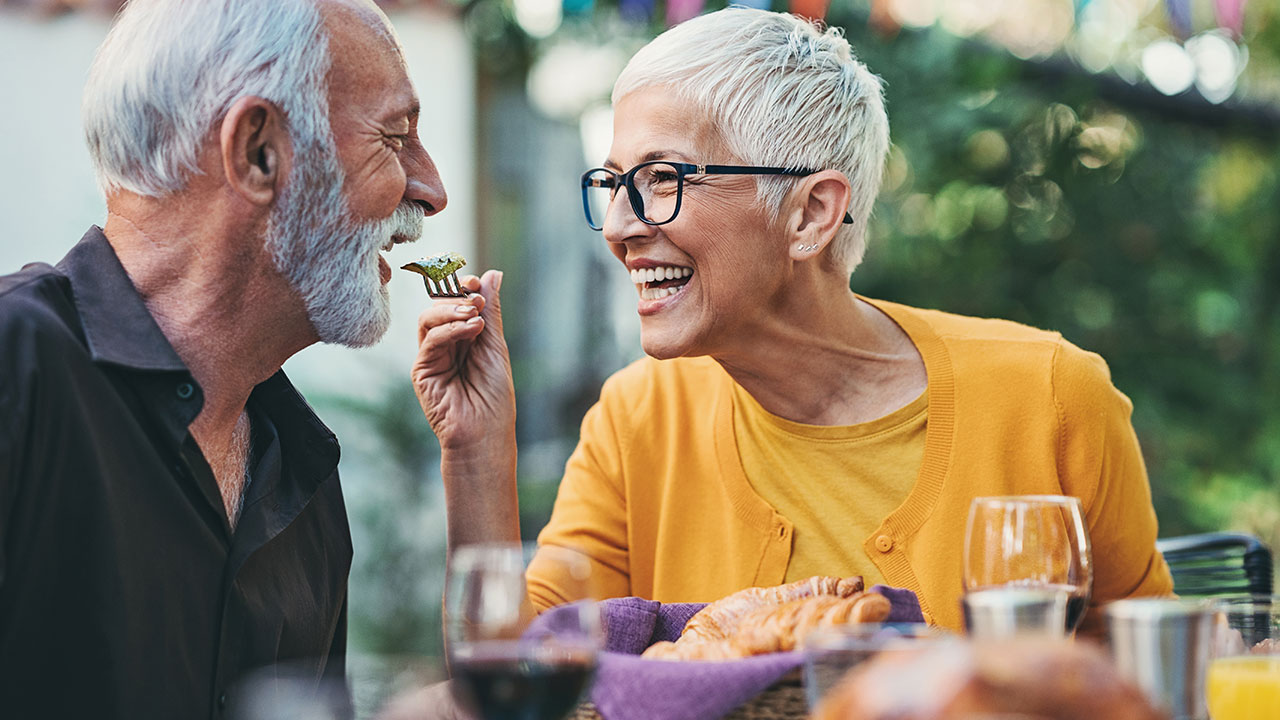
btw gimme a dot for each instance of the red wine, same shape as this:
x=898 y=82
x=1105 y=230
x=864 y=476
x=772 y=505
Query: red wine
x=1076 y=605
x=521 y=688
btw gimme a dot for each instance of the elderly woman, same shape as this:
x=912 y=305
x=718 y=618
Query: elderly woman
x=783 y=426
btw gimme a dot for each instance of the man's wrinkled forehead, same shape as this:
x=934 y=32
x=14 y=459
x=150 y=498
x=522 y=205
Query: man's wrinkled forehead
x=359 y=21
x=368 y=67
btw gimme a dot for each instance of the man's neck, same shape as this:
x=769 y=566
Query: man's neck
x=213 y=290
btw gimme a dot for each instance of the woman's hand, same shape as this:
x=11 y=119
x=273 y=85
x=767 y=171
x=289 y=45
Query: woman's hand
x=462 y=374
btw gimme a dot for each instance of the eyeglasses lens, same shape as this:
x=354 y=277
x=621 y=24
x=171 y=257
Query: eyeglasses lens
x=658 y=185
x=657 y=188
x=597 y=191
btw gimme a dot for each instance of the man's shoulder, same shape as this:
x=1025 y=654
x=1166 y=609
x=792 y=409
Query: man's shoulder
x=35 y=303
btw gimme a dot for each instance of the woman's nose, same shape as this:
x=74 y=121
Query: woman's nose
x=621 y=223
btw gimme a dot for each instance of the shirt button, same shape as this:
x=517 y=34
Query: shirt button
x=185 y=391
x=884 y=543
x=222 y=701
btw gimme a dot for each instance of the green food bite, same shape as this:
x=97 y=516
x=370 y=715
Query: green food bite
x=437 y=267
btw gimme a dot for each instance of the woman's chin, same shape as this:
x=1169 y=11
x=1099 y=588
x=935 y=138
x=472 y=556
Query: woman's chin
x=662 y=345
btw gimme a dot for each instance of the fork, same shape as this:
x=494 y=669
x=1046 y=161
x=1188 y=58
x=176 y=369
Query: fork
x=447 y=286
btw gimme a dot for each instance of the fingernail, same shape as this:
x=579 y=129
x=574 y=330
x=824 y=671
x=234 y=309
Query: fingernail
x=474 y=321
x=464 y=308
x=497 y=284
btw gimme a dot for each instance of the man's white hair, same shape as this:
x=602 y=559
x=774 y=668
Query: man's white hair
x=170 y=69
x=781 y=92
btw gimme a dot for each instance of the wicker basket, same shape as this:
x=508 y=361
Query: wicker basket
x=783 y=700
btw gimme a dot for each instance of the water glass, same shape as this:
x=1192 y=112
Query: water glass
x=1005 y=612
x=1036 y=542
x=829 y=653
x=1244 y=676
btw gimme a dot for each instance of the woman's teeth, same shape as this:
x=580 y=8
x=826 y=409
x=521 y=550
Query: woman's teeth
x=657 y=274
x=657 y=293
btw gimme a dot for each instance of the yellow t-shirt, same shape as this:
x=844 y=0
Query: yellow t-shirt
x=836 y=484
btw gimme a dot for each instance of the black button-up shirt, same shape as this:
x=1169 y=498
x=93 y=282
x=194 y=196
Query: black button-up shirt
x=123 y=591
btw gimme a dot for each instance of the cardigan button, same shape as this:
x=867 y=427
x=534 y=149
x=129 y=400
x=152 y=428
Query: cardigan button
x=884 y=543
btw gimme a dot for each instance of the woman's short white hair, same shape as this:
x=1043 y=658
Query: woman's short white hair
x=780 y=91
x=170 y=69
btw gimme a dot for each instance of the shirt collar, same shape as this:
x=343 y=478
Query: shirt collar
x=117 y=325
x=120 y=330
x=299 y=428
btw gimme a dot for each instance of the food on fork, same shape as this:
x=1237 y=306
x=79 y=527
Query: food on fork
x=775 y=619
x=440 y=274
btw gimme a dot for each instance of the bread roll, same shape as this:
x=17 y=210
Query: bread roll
x=1026 y=678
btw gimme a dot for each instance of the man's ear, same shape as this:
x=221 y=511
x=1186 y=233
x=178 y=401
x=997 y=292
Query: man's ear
x=822 y=199
x=256 y=149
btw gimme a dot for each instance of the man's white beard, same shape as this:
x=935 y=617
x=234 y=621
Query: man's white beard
x=330 y=258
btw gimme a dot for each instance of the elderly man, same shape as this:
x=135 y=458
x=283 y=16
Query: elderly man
x=170 y=511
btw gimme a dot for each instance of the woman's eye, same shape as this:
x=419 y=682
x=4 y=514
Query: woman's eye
x=395 y=142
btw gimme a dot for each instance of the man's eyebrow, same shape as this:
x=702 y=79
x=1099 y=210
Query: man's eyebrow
x=409 y=111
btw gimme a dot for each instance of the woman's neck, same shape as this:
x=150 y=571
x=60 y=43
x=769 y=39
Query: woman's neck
x=836 y=363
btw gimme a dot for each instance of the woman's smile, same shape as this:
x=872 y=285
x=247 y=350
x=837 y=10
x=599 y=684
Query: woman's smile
x=659 y=282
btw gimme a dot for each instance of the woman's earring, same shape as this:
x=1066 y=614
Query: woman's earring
x=807 y=248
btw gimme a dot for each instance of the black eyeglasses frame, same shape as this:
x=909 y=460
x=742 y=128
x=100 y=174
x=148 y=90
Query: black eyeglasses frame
x=683 y=169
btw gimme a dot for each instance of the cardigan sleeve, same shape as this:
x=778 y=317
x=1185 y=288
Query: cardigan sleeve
x=590 y=512
x=1100 y=462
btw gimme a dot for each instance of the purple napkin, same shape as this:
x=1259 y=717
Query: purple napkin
x=628 y=687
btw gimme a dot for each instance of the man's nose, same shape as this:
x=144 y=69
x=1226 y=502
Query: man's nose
x=423 y=184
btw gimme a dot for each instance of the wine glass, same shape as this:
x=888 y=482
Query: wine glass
x=507 y=662
x=1029 y=544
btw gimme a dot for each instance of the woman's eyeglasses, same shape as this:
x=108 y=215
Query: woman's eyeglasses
x=656 y=188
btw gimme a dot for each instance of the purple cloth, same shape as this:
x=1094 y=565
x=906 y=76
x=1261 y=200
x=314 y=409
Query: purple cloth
x=628 y=687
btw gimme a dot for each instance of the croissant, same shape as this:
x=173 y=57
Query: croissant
x=705 y=650
x=783 y=628
x=722 y=618
x=776 y=628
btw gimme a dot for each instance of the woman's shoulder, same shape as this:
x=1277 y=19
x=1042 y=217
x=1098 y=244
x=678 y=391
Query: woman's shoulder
x=953 y=327
x=1001 y=349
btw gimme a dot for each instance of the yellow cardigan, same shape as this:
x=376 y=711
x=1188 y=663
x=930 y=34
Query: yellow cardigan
x=655 y=493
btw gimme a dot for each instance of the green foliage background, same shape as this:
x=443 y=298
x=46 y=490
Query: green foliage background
x=1147 y=235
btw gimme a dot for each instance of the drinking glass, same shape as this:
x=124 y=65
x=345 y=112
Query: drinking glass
x=1244 y=676
x=1031 y=544
x=506 y=662
x=1163 y=645
x=829 y=653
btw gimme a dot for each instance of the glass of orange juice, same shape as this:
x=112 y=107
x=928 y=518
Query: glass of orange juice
x=1244 y=677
